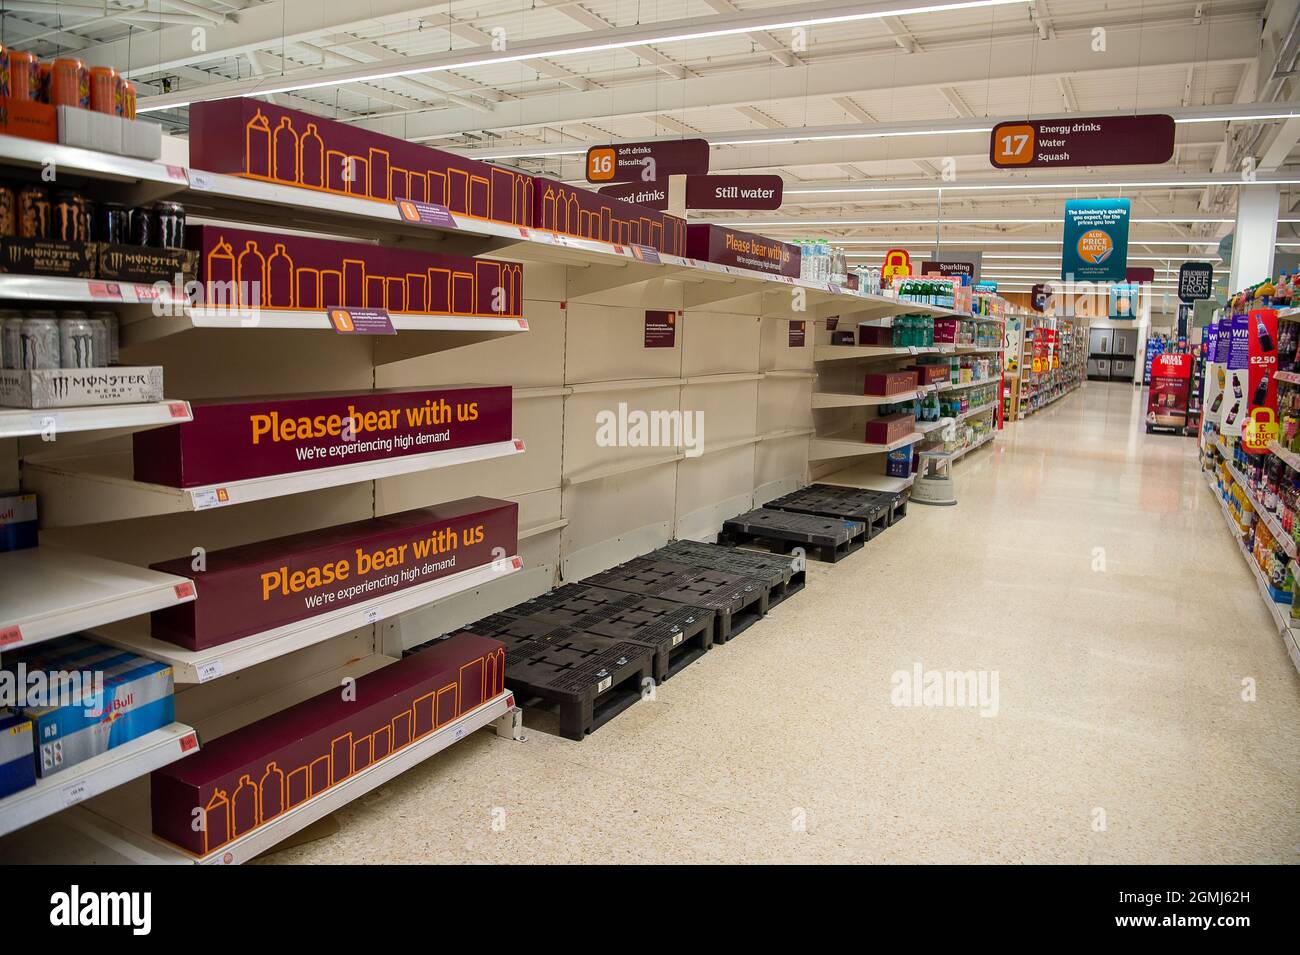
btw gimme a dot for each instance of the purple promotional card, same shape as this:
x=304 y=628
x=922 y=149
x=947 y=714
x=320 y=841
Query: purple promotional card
x=426 y=213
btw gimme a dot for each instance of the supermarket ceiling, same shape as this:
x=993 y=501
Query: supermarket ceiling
x=861 y=108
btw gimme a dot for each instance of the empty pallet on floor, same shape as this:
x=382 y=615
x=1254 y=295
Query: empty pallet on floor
x=877 y=509
x=588 y=679
x=737 y=601
x=828 y=539
x=679 y=635
x=785 y=576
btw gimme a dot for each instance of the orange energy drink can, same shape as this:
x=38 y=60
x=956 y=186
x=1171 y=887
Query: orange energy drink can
x=43 y=73
x=104 y=94
x=70 y=84
x=128 y=99
x=24 y=80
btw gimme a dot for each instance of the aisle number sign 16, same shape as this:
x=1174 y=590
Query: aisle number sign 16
x=1013 y=145
x=600 y=165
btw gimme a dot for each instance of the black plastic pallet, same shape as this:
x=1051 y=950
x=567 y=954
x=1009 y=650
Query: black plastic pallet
x=737 y=601
x=828 y=539
x=876 y=514
x=678 y=635
x=589 y=679
x=785 y=576
x=878 y=509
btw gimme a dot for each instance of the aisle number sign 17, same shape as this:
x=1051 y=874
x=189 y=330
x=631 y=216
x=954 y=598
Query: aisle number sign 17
x=1083 y=141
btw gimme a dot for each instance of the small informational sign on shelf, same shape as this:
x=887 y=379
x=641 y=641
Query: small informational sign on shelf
x=798 y=333
x=425 y=213
x=1083 y=141
x=660 y=329
x=360 y=321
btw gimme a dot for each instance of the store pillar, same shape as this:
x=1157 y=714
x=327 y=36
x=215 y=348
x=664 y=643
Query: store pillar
x=1256 y=235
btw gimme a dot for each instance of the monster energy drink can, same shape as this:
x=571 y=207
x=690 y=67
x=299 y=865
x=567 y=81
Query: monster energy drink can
x=39 y=342
x=114 y=335
x=11 y=348
x=76 y=341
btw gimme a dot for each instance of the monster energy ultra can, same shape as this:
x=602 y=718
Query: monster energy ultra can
x=76 y=341
x=39 y=342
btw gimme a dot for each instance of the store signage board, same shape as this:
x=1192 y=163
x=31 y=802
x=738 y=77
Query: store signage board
x=1124 y=301
x=1083 y=141
x=1261 y=382
x=648 y=194
x=1094 y=244
x=1195 y=281
x=646 y=253
x=660 y=329
x=425 y=213
x=1142 y=276
x=360 y=321
x=798 y=334
x=734 y=192
x=989 y=287
x=950 y=269
x=898 y=265
x=647 y=162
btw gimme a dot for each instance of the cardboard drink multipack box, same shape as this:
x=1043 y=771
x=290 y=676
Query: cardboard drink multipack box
x=73 y=387
x=98 y=697
x=888 y=383
x=18 y=520
x=260 y=586
x=17 y=756
x=241 y=781
x=232 y=439
x=887 y=429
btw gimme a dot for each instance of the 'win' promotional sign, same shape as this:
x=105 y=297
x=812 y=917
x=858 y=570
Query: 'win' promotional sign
x=1094 y=246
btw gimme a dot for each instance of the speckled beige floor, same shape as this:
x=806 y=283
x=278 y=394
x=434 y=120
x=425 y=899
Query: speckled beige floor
x=1120 y=736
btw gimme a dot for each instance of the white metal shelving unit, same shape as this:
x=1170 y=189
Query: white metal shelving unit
x=97 y=775
x=201 y=666
x=23 y=422
x=46 y=592
x=94 y=488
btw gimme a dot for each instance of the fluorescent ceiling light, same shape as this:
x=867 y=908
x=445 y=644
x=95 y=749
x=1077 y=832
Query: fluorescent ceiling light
x=1044 y=184
x=826 y=137
x=673 y=33
x=1192 y=219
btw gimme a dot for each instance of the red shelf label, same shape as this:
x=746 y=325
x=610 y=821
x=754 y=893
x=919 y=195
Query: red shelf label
x=10 y=635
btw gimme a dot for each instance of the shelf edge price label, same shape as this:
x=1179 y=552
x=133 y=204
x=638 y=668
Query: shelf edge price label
x=76 y=792
x=184 y=591
x=205 y=498
x=10 y=635
x=210 y=671
x=189 y=741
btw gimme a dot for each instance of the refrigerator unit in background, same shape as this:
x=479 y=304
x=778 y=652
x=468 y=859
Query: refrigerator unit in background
x=1098 y=369
x=1121 y=369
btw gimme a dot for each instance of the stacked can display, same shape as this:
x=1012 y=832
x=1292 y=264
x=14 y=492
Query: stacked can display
x=40 y=339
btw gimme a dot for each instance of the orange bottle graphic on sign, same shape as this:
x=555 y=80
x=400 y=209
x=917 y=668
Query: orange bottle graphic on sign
x=271 y=793
x=279 y=290
x=252 y=276
x=220 y=276
x=244 y=809
x=285 y=152
x=216 y=821
x=311 y=158
x=257 y=146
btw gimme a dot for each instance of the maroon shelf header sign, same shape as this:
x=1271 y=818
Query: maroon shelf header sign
x=734 y=192
x=1083 y=141
x=625 y=162
x=652 y=195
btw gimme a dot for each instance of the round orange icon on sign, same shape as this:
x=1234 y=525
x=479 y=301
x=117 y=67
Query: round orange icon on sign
x=600 y=164
x=1095 y=246
x=341 y=319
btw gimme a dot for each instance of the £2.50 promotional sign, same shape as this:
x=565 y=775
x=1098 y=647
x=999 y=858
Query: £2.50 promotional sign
x=1261 y=385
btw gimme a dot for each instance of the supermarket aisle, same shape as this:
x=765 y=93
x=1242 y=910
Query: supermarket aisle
x=1086 y=570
